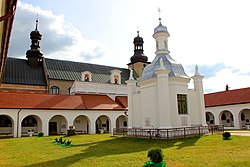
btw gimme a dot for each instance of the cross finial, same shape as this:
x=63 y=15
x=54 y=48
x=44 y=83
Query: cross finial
x=138 y=31
x=36 y=21
x=159 y=10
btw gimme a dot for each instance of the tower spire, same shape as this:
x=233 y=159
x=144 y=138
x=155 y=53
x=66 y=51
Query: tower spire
x=36 y=21
x=34 y=54
x=159 y=10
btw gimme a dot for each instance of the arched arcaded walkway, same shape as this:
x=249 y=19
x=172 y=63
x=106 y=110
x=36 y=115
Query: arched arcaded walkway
x=226 y=118
x=6 y=125
x=58 y=125
x=31 y=123
x=103 y=123
x=210 y=118
x=82 y=124
x=122 y=122
x=244 y=116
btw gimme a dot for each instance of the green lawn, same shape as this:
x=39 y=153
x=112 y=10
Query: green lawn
x=107 y=151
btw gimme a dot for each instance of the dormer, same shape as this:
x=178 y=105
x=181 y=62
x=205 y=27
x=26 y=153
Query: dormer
x=86 y=76
x=115 y=76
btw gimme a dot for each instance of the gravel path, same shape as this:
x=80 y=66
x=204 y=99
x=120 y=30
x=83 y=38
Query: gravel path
x=240 y=133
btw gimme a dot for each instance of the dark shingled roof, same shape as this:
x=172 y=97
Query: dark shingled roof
x=17 y=71
x=69 y=70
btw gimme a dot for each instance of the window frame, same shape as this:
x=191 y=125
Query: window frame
x=182 y=104
x=54 y=90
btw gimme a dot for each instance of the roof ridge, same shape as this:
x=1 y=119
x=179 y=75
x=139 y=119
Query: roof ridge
x=232 y=90
x=86 y=63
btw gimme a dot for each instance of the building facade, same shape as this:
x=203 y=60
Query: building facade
x=161 y=98
x=230 y=108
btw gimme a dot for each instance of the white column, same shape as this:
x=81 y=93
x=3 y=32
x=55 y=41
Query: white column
x=14 y=128
x=92 y=126
x=216 y=117
x=131 y=86
x=163 y=116
x=236 y=120
x=198 y=87
x=45 y=127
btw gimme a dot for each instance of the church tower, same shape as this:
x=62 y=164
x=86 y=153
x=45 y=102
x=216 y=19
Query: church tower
x=34 y=54
x=138 y=60
x=161 y=37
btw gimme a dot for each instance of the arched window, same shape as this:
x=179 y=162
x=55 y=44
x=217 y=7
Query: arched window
x=54 y=90
x=157 y=45
x=165 y=44
x=29 y=121
x=116 y=79
x=86 y=78
x=5 y=121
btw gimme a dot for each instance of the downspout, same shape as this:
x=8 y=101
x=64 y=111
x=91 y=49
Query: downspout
x=18 y=115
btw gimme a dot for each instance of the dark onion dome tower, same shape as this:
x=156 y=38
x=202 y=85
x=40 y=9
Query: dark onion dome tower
x=138 y=60
x=34 y=55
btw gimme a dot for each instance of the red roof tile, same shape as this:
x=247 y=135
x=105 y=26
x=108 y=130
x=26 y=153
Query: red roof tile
x=122 y=100
x=100 y=102
x=47 y=101
x=230 y=97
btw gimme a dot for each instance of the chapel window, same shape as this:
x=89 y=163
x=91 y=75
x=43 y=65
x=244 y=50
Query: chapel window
x=165 y=44
x=54 y=90
x=182 y=103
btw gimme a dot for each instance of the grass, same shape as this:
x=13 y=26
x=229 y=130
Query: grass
x=107 y=151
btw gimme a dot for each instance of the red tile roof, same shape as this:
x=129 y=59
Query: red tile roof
x=47 y=101
x=100 y=102
x=230 y=97
x=122 y=100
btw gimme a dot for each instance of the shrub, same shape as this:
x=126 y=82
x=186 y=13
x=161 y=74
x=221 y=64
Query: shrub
x=63 y=142
x=226 y=135
x=155 y=155
x=40 y=134
x=68 y=143
x=71 y=132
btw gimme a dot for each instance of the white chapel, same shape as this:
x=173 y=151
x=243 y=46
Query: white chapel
x=160 y=98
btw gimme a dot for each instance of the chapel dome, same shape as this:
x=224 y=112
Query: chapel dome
x=138 y=39
x=175 y=69
x=35 y=34
x=160 y=28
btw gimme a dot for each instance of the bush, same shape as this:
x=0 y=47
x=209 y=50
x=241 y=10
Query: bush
x=40 y=134
x=71 y=132
x=63 y=142
x=226 y=135
x=155 y=155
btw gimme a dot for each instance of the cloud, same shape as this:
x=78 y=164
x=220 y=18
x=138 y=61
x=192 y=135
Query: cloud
x=217 y=76
x=233 y=77
x=60 y=39
x=207 y=70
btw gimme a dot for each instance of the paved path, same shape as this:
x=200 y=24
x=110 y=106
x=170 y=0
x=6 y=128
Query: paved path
x=240 y=133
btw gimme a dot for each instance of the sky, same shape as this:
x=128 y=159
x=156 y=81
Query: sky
x=213 y=34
